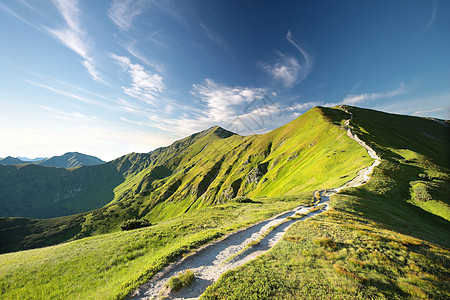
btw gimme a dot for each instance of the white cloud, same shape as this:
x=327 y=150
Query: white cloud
x=221 y=100
x=354 y=99
x=144 y=84
x=123 y=12
x=286 y=70
x=72 y=36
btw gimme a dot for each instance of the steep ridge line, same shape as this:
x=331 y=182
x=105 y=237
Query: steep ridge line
x=210 y=261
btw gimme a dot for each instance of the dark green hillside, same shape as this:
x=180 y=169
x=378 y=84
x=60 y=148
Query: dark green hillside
x=43 y=192
x=70 y=160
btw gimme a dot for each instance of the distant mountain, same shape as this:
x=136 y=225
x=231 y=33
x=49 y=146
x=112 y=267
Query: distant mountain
x=12 y=161
x=70 y=160
x=67 y=160
x=26 y=159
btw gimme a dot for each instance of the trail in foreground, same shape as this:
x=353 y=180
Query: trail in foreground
x=211 y=261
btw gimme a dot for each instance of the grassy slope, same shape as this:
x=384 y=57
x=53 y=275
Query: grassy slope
x=376 y=242
x=112 y=264
x=211 y=170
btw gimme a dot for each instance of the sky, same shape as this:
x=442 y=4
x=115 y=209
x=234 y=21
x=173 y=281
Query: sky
x=108 y=78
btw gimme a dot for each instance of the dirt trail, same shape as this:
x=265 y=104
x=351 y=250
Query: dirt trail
x=211 y=261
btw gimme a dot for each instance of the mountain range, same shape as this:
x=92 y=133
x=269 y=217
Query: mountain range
x=67 y=160
x=184 y=187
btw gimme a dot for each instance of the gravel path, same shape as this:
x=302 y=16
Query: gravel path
x=212 y=260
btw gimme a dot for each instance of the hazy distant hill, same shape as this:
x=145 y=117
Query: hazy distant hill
x=11 y=161
x=26 y=159
x=71 y=160
x=68 y=160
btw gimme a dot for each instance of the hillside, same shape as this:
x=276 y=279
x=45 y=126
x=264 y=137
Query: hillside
x=42 y=192
x=390 y=235
x=70 y=160
x=386 y=239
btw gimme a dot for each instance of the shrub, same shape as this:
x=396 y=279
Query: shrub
x=134 y=224
x=243 y=199
x=176 y=283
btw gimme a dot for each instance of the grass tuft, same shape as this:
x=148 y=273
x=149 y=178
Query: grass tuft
x=184 y=279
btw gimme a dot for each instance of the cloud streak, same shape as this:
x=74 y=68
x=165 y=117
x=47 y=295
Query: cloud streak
x=431 y=20
x=288 y=69
x=355 y=99
x=72 y=35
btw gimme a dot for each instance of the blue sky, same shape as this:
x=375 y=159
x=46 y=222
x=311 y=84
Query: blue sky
x=108 y=78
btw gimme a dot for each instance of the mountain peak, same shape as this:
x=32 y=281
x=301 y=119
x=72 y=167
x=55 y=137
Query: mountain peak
x=220 y=132
x=71 y=160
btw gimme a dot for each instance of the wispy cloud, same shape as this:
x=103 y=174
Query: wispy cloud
x=215 y=37
x=75 y=117
x=431 y=20
x=68 y=94
x=307 y=63
x=354 y=99
x=428 y=111
x=132 y=50
x=123 y=12
x=288 y=69
x=73 y=36
x=17 y=16
x=144 y=84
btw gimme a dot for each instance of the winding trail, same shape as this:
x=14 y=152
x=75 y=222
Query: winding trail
x=209 y=262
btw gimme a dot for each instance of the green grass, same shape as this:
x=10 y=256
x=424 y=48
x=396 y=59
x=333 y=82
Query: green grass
x=111 y=265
